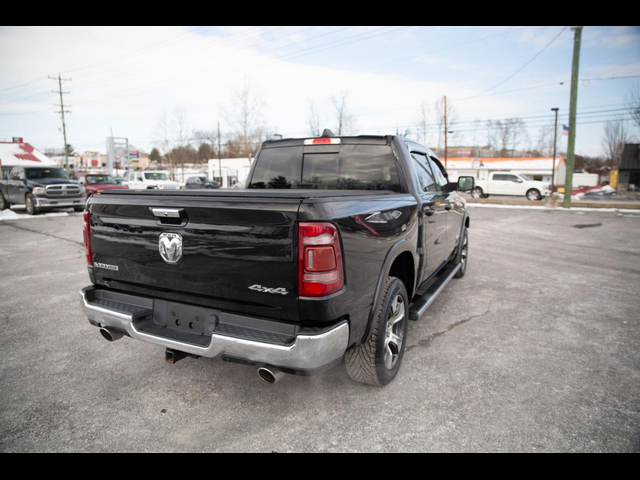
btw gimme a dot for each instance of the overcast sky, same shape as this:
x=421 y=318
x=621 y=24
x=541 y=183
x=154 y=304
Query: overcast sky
x=124 y=78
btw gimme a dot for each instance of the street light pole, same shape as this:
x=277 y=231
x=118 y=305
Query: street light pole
x=555 y=135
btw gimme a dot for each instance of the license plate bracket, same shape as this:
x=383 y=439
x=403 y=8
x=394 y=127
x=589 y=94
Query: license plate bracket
x=185 y=318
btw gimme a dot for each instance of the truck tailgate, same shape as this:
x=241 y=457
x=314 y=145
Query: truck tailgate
x=237 y=251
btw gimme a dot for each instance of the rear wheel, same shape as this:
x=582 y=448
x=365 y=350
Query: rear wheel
x=4 y=205
x=478 y=193
x=534 y=195
x=463 y=255
x=378 y=361
x=31 y=205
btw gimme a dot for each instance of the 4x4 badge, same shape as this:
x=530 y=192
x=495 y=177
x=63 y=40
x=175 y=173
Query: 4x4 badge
x=171 y=247
x=277 y=291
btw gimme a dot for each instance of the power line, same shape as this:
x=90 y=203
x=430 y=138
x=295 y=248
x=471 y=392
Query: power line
x=139 y=73
x=306 y=51
x=137 y=52
x=525 y=65
x=148 y=48
x=39 y=79
x=399 y=60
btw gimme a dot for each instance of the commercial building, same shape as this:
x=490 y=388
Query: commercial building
x=629 y=173
x=21 y=154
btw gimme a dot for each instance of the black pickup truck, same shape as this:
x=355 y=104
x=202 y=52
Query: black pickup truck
x=40 y=189
x=335 y=244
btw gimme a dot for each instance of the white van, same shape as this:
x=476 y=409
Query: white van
x=149 y=180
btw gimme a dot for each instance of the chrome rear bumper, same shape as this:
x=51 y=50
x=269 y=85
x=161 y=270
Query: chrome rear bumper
x=307 y=352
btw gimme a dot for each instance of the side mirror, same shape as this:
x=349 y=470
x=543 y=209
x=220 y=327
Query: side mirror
x=466 y=184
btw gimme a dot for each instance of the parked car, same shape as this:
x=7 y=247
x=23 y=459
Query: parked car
x=149 y=180
x=514 y=184
x=336 y=244
x=200 y=182
x=40 y=189
x=97 y=183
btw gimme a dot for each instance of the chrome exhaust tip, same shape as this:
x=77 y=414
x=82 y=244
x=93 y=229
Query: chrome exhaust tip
x=110 y=335
x=271 y=375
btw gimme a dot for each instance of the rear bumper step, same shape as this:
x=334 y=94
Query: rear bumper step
x=424 y=302
x=221 y=335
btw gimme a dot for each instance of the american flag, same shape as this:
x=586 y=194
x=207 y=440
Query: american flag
x=565 y=130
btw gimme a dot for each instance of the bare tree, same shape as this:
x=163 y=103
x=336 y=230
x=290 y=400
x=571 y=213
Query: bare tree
x=205 y=140
x=245 y=118
x=632 y=102
x=616 y=134
x=475 y=135
x=314 y=120
x=423 y=122
x=172 y=131
x=544 y=142
x=182 y=130
x=505 y=136
x=344 y=119
x=451 y=116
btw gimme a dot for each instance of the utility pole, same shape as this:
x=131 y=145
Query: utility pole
x=62 y=111
x=555 y=135
x=571 y=145
x=445 y=131
x=219 y=156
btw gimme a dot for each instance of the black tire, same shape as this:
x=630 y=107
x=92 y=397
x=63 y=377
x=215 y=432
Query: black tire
x=78 y=209
x=378 y=361
x=463 y=255
x=4 y=205
x=534 y=195
x=31 y=205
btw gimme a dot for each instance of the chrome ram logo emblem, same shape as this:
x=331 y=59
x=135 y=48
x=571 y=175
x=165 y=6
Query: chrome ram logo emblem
x=171 y=247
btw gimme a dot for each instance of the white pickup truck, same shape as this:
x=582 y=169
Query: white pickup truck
x=149 y=180
x=513 y=184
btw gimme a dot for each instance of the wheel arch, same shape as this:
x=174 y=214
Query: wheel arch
x=400 y=262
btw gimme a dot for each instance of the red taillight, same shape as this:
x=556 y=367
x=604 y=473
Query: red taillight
x=86 y=234
x=320 y=270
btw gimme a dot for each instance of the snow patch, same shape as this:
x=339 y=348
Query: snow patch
x=12 y=215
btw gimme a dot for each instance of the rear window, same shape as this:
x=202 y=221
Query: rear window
x=355 y=167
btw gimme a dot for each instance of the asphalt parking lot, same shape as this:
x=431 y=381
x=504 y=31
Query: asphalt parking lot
x=536 y=349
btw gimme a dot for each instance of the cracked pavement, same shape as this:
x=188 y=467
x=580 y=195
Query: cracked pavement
x=535 y=349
